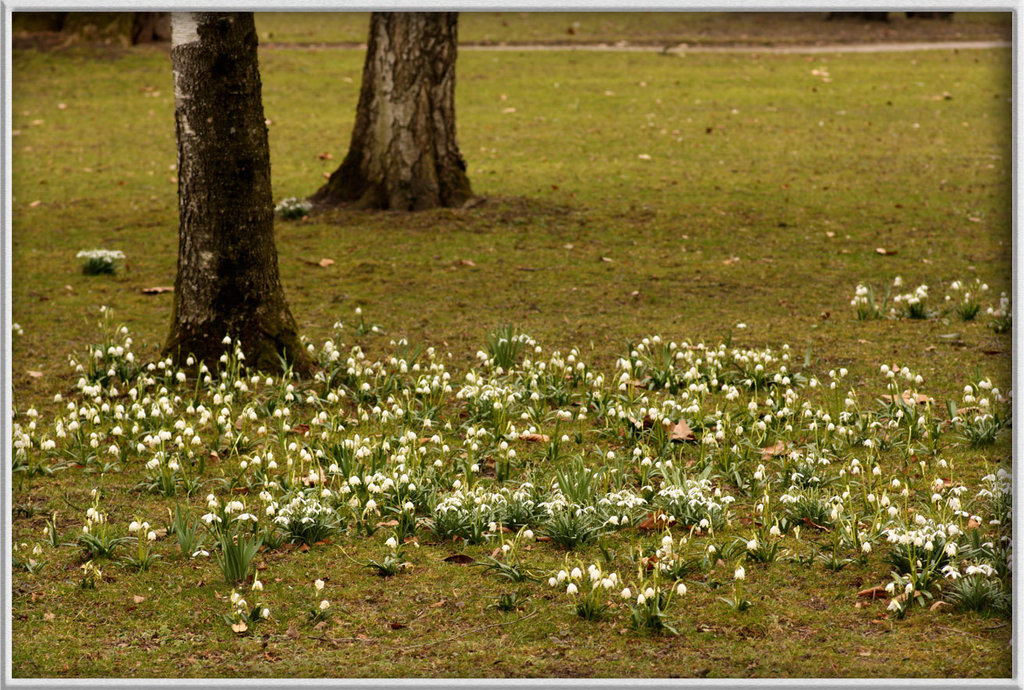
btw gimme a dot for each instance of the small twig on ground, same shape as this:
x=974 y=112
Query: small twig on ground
x=469 y=632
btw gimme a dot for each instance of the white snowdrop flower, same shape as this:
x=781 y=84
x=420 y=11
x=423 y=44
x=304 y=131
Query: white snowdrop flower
x=866 y=547
x=391 y=543
x=571 y=589
x=576 y=573
x=681 y=589
x=640 y=599
x=740 y=573
x=324 y=605
x=553 y=581
x=626 y=593
x=649 y=592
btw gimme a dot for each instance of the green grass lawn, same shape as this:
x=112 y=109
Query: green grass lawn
x=626 y=195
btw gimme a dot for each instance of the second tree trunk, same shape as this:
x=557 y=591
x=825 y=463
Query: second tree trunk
x=403 y=154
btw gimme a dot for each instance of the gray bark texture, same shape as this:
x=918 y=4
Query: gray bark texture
x=403 y=155
x=227 y=281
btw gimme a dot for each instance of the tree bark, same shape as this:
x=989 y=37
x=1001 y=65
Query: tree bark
x=227 y=281
x=403 y=154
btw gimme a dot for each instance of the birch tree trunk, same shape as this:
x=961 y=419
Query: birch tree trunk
x=403 y=154
x=227 y=281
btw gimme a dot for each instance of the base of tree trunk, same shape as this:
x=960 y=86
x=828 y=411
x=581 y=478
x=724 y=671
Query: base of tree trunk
x=268 y=347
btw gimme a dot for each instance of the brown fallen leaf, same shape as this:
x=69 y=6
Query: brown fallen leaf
x=388 y=523
x=467 y=262
x=324 y=263
x=34 y=374
x=48 y=616
x=656 y=521
x=929 y=348
x=808 y=521
x=320 y=626
x=607 y=259
x=774 y=451
x=34 y=204
x=460 y=558
x=156 y=290
x=395 y=625
x=299 y=429
x=731 y=260
x=293 y=631
x=908 y=397
x=885 y=252
x=681 y=431
x=240 y=627
x=973 y=524
x=535 y=438
x=325 y=156
x=874 y=592
x=138 y=599
x=939 y=605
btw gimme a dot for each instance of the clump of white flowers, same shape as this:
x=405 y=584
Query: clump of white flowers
x=100 y=261
x=293 y=208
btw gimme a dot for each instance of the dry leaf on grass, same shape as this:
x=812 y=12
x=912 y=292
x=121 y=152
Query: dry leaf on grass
x=34 y=374
x=240 y=627
x=885 y=252
x=908 y=397
x=535 y=438
x=655 y=522
x=773 y=451
x=874 y=592
x=138 y=599
x=324 y=263
x=159 y=290
x=460 y=558
x=681 y=431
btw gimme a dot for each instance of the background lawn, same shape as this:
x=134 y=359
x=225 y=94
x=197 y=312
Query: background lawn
x=625 y=195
